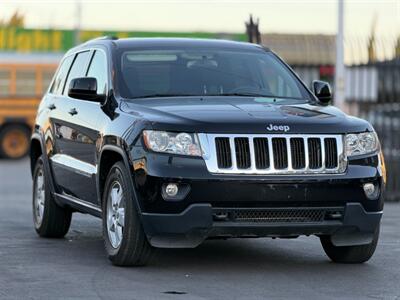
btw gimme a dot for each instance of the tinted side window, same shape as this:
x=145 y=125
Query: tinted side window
x=98 y=70
x=78 y=68
x=59 y=80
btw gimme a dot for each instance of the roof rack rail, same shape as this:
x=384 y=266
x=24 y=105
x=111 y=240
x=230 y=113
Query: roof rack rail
x=106 y=37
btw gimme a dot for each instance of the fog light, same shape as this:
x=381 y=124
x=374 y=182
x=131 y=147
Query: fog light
x=171 y=189
x=371 y=191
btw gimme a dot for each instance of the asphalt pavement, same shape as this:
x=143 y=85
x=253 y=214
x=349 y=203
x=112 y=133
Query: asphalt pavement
x=77 y=267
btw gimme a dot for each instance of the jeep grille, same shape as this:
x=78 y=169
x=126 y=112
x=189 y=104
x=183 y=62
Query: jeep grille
x=273 y=154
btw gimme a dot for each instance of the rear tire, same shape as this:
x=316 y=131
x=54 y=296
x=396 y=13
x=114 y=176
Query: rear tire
x=50 y=220
x=350 y=254
x=14 y=141
x=125 y=241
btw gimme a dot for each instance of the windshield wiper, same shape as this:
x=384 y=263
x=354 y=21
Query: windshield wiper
x=242 y=95
x=276 y=98
x=162 y=95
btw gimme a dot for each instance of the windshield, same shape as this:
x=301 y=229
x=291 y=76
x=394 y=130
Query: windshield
x=163 y=73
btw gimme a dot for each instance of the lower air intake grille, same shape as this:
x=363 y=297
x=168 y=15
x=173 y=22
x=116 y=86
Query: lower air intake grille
x=308 y=215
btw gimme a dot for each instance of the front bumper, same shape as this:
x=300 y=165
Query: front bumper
x=198 y=222
x=188 y=221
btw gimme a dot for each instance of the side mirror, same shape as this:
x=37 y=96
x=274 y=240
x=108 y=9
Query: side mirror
x=322 y=90
x=85 y=88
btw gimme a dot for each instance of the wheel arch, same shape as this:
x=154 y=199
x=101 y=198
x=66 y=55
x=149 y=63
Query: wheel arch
x=35 y=150
x=109 y=155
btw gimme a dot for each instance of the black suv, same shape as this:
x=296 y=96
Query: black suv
x=174 y=141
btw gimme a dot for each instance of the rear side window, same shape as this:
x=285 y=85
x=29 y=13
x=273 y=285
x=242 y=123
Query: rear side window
x=98 y=70
x=59 y=80
x=78 y=68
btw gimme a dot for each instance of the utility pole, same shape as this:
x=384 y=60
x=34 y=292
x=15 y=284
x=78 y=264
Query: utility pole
x=339 y=100
x=78 y=19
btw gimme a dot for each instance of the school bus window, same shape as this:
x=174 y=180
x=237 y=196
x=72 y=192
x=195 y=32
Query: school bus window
x=47 y=76
x=21 y=87
x=25 y=83
x=4 y=82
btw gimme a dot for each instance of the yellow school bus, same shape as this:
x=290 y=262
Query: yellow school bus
x=23 y=80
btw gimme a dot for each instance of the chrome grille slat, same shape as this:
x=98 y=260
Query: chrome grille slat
x=252 y=153
x=274 y=153
x=271 y=154
x=289 y=153
x=233 y=153
x=322 y=142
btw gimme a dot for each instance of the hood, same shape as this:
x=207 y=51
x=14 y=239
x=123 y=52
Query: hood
x=242 y=115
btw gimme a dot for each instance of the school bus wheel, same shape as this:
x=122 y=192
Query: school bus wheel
x=14 y=141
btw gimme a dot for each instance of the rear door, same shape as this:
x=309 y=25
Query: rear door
x=51 y=110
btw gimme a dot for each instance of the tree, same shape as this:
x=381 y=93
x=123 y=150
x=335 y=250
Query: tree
x=397 y=49
x=16 y=20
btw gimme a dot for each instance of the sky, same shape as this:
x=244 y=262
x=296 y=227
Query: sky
x=284 y=16
x=276 y=16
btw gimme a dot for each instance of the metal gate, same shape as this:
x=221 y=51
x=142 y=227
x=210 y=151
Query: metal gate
x=383 y=111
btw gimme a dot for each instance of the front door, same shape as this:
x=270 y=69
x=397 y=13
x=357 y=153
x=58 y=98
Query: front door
x=76 y=131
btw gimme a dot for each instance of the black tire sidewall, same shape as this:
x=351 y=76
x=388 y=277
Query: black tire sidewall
x=350 y=254
x=56 y=220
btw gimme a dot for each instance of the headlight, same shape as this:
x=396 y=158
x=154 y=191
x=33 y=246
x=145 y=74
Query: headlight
x=171 y=142
x=361 y=143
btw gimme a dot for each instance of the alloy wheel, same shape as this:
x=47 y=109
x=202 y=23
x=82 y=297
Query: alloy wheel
x=115 y=214
x=39 y=198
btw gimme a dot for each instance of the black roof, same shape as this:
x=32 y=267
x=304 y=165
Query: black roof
x=171 y=43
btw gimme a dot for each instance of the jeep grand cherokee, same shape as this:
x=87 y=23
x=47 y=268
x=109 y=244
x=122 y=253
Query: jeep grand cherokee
x=174 y=141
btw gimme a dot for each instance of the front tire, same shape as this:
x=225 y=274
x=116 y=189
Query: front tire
x=350 y=254
x=50 y=220
x=125 y=241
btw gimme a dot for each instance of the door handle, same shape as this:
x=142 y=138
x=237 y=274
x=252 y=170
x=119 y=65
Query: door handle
x=73 y=112
x=51 y=106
